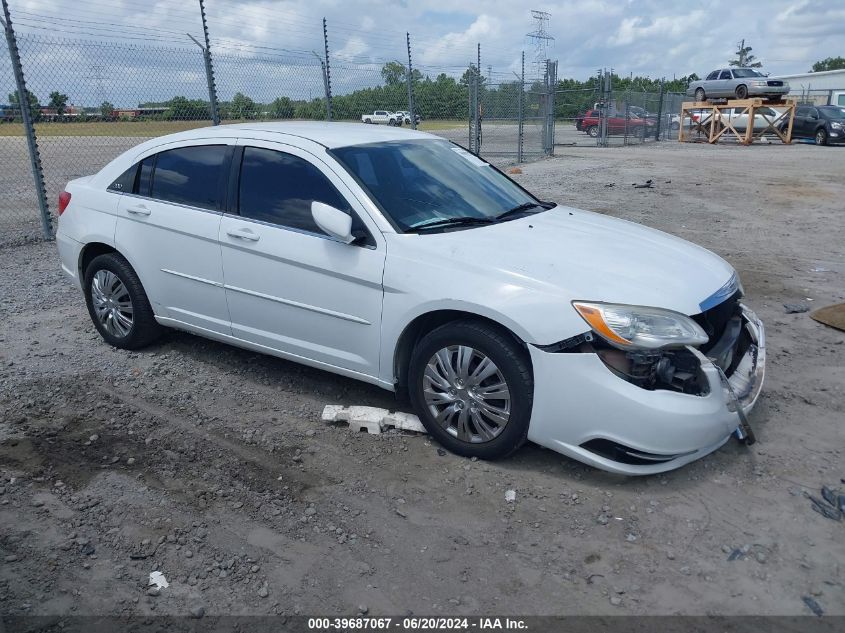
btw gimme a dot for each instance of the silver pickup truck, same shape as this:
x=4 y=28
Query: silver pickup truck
x=736 y=83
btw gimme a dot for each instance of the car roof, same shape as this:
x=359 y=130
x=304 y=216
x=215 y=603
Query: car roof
x=329 y=135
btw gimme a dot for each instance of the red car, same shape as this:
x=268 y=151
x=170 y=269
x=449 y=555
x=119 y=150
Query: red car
x=589 y=122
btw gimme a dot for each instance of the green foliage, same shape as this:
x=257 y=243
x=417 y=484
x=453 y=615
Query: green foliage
x=282 y=108
x=744 y=58
x=106 y=110
x=58 y=102
x=242 y=107
x=184 y=109
x=34 y=106
x=829 y=63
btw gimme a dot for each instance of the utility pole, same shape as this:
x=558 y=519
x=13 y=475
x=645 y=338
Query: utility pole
x=540 y=37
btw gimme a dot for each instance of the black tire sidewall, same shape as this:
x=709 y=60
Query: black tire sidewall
x=511 y=360
x=144 y=328
x=821 y=137
x=593 y=131
x=703 y=95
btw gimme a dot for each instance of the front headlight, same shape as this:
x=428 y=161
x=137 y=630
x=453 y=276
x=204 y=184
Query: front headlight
x=836 y=126
x=640 y=327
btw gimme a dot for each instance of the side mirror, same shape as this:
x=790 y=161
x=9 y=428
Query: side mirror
x=333 y=221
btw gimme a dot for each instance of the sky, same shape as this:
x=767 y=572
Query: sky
x=657 y=38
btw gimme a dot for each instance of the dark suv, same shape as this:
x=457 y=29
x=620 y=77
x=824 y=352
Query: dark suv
x=825 y=124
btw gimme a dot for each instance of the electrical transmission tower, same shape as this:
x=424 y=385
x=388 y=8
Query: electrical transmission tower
x=540 y=38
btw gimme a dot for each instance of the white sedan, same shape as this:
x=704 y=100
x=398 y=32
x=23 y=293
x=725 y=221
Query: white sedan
x=400 y=259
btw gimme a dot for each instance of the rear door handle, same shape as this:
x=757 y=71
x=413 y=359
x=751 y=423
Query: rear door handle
x=139 y=210
x=243 y=234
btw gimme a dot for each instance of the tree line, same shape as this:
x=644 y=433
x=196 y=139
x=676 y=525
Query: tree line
x=440 y=97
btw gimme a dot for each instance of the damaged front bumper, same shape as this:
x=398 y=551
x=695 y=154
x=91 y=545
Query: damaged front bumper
x=583 y=410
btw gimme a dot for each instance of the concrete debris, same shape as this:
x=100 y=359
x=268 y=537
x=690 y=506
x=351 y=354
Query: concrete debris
x=158 y=580
x=510 y=496
x=372 y=419
x=795 y=308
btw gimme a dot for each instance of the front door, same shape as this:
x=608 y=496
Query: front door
x=290 y=287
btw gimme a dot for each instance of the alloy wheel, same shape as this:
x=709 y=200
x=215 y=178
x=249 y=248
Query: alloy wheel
x=467 y=394
x=112 y=303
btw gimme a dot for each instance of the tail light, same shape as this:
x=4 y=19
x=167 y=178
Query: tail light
x=64 y=200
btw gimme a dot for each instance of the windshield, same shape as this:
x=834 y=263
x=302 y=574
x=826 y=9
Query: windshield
x=426 y=182
x=745 y=72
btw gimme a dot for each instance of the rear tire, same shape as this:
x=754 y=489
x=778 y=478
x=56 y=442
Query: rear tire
x=821 y=137
x=117 y=303
x=472 y=387
x=368 y=120
x=700 y=95
x=741 y=92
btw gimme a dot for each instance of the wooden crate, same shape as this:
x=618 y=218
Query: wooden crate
x=716 y=127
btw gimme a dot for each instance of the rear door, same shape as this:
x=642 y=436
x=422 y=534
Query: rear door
x=168 y=227
x=291 y=287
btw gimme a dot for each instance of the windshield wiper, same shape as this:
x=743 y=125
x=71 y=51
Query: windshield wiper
x=449 y=222
x=522 y=208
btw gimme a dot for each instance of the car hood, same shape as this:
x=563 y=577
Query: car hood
x=572 y=254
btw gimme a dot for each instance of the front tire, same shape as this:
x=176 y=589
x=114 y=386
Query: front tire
x=741 y=92
x=700 y=94
x=821 y=137
x=117 y=303
x=472 y=387
x=593 y=131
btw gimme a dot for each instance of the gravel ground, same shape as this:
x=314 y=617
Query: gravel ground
x=210 y=464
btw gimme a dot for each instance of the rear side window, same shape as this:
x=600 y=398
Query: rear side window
x=279 y=188
x=191 y=175
x=125 y=183
x=726 y=74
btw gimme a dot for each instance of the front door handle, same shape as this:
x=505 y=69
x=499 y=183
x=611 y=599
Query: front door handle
x=138 y=210
x=243 y=234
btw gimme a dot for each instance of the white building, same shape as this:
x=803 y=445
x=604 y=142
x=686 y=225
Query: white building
x=823 y=88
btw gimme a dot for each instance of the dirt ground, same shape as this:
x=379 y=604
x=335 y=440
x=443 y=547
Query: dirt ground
x=211 y=465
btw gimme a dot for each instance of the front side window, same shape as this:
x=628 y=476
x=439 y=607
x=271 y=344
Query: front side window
x=834 y=114
x=279 y=188
x=428 y=182
x=191 y=175
x=712 y=75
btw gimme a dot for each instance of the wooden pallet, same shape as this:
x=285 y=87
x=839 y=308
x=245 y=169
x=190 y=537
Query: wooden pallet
x=716 y=127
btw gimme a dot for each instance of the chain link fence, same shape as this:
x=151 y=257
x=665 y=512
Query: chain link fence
x=608 y=116
x=91 y=99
